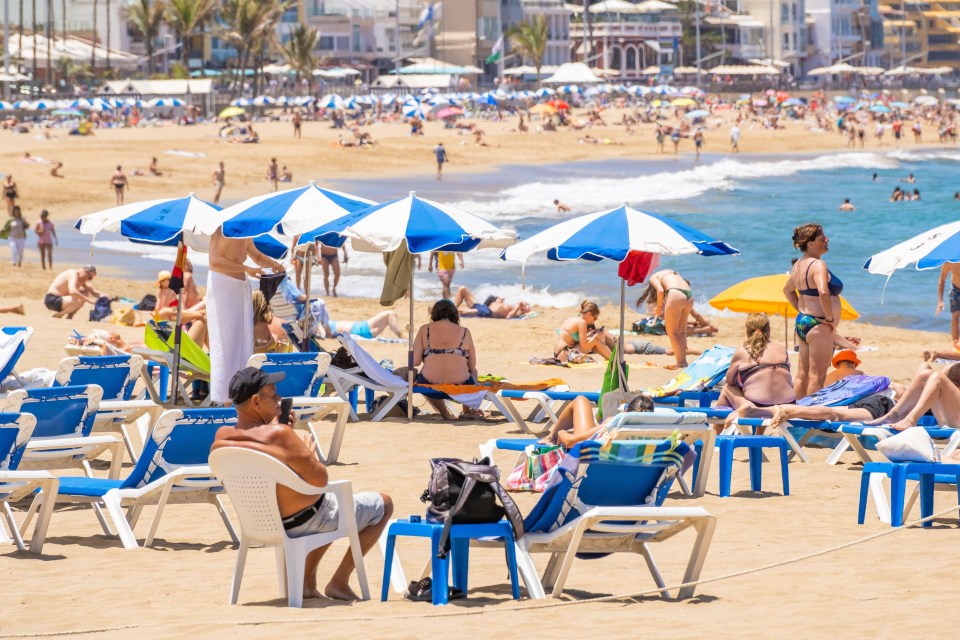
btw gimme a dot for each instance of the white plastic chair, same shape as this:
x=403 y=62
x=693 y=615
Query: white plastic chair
x=251 y=479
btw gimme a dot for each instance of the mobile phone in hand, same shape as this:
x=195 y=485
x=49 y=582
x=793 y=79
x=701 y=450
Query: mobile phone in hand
x=285 y=406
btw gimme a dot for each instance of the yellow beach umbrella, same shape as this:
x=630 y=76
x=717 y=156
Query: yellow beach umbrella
x=544 y=109
x=230 y=112
x=765 y=295
x=683 y=102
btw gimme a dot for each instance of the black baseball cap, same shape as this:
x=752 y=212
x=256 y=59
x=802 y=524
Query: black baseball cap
x=248 y=382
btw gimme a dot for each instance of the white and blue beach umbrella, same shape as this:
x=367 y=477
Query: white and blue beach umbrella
x=612 y=235
x=263 y=101
x=42 y=105
x=240 y=102
x=22 y=104
x=568 y=89
x=80 y=103
x=412 y=109
x=331 y=101
x=5 y=106
x=420 y=225
x=289 y=212
x=928 y=250
x=423 y=225
x=166 y=102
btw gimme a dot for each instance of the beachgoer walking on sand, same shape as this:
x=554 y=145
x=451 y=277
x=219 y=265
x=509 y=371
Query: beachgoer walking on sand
x=951 y=270
x=10 y=193
x=297 y=123
x=46 y=236
x=330 y=260
x=70 y=290
x=219 y=180
x=230 y=307
x=735 y=139
x=16 y=229
x=446 y=268
x=119 y=183
x=659 y=133
x=257 y=402
x=698 y=141
x=441 y=154
x=561 y=208
x=273 y=173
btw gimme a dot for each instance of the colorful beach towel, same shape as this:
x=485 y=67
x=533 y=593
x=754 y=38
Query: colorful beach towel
x=845 y=391
x=703 y=373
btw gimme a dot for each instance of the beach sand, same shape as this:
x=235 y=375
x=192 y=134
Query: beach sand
x=87 y=585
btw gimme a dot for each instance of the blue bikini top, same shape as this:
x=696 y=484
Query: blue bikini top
x=834 y=284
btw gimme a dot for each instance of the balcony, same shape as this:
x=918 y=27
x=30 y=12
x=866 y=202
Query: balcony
x=651 y=30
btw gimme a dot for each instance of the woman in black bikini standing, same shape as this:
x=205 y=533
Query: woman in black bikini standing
x=674 y=304
x=815 y=293
x=759 y=374
x=120 y=184
x=10 y=194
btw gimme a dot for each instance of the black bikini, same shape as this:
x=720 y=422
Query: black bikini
x=455 y=351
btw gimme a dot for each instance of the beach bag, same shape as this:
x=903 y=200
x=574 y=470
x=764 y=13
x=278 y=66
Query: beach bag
x=650 y=326
x=125 y=316
x=911 y=445
x=148 y=303
x=534 y=470
x=5 y=232
x=461 y=492
x=101 y=310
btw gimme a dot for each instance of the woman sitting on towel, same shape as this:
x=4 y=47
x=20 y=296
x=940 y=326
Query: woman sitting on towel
x=576 y=422
x=759 y=375
x=446 y=352
x=579 y=335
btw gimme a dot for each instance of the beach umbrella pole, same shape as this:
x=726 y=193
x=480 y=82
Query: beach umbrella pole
x=621 y=361
x=307 y=311
x=177 y=331
x=410 y=347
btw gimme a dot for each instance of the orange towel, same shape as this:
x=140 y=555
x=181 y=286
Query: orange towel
x=457 y=389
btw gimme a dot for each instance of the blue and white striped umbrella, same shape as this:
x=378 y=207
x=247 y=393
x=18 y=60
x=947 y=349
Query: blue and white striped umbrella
x=5 y=106
x=422 y=224
x=240 y=102
x=613 y=234
x=568 y=89
x=166 y=102
x=263 y=101
x=412 y=109
x=163 y=222
x=284 y=101
x=331 y=101
x=545 y=92
x=289 y=212
x=927 y=250
x=42 y=105
x=22 y=104
x=133 y=102
x=80 y=103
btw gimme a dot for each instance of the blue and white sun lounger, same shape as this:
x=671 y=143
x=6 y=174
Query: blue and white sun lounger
x=303 y=374
x=15 y=432
x=13 y=343
x=172 y=468
x=609 y=500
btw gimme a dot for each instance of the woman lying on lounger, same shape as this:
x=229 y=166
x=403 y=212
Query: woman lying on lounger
x=576 y=422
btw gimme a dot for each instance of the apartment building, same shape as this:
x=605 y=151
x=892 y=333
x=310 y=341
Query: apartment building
x=926 y=31
x=557 y=17
x=785 y=37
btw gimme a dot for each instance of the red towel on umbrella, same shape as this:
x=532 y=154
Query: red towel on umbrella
x=637 y=266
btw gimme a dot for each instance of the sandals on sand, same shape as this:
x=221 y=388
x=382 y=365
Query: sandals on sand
x=422 y=591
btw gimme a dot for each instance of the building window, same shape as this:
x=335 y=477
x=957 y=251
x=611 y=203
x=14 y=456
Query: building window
x=356 y=38
x=488 y=29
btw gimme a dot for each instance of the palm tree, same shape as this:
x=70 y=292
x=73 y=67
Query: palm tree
x=529 y=39
x=298 y=50
x=249 y=25
x=185 y=17
x=147 y=16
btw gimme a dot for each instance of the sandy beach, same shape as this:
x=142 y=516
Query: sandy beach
x=87 y=585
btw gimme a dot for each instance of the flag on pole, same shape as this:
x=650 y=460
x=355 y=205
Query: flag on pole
x=176 y=275
x=425 y=28
x=497 y=51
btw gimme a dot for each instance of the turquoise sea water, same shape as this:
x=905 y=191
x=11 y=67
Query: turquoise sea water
x=752 y=203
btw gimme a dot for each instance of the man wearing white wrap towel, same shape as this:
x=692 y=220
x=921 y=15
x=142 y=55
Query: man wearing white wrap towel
x=230 y=307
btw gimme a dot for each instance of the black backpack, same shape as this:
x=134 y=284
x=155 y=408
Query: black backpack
x=463 y=492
